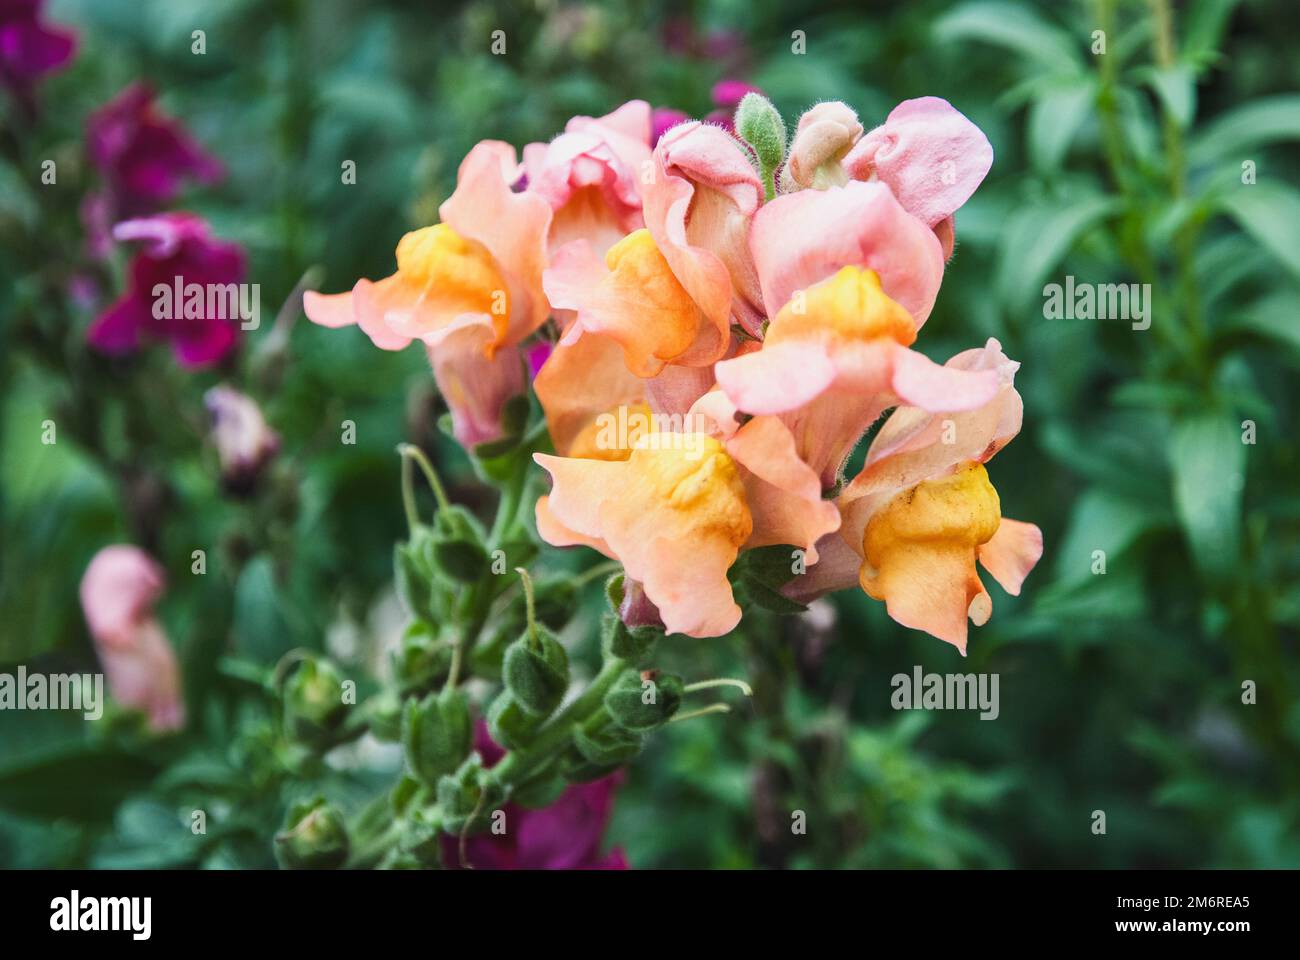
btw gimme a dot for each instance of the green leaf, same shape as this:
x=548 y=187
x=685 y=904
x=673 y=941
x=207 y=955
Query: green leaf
x=1176 y=88
x=1271 y=214
x=1273 y=318
x=1013 y=27
x=1055 y=118
x=1208 y=461
x=1037 y=239
x=1204 y=24
x=1248 y=126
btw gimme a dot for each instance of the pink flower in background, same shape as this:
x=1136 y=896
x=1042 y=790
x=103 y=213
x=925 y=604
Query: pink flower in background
x=563 y=836
x=174 y=246
x=118 y=593
x=29 y=49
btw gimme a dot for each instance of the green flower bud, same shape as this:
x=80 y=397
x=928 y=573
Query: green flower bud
x=760 y=125
x=459 y=549
x=636 y=645
x=413 y=574
x=467 y=796
x=641 y=702
x=313 y=703
x=314 y=837
x=536 y=671
x=422 y=658
x=436 y=734
x=386 y=717
x=511 y=725
x=555 y=602
x=604 y=743
x=420 y=838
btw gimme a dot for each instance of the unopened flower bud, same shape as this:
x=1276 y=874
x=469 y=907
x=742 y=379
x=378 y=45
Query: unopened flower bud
x=510 y=724
x=459 y=546
x=436 y=734
x=420 y=659
x=313 y=703
x=314 y=837
x=760 y=125
x=536 y=671
x=825 y=134
x=641 y=702
x=462 y=797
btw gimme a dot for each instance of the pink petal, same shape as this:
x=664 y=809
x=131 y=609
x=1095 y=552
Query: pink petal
x=803 y=238
x=929 y=154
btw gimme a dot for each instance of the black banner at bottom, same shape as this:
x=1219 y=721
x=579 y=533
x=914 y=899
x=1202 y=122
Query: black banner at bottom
x=554 y=910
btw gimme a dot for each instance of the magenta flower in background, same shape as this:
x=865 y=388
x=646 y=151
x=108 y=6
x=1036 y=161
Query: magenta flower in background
x=726 y=96
x=143 y=155
x=664 y=119
x=564 y=836
x=29 y=49
x=143 y=158
x=176 y=248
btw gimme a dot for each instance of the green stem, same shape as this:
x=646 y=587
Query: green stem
x=740 y=685
x=408 y=495
x=512 y=495
x=410 y=451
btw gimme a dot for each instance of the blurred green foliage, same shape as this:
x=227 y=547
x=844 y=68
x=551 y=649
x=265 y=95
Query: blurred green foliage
x=1120 y=691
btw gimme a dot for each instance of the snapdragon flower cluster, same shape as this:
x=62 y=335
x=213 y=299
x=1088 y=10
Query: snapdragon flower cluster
x=729 y=314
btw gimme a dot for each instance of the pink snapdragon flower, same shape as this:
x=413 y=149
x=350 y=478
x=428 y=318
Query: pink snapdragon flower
x=175 y=247
x=591 y=176
x=118 y=593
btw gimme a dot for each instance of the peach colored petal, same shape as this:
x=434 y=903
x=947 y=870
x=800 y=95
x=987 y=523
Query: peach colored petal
x=384 y=306
x=921 y=382
x=580 y=381
x=698 y=206
x=554 y=532
x=1012 y=553
x=783 y=492
x=512 y=226
x=329 y=310
x=615 y=297
x=803 y=238
x=674 y=516
x=919 y=553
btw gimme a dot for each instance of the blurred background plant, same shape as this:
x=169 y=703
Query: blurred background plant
x=1167 y=160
